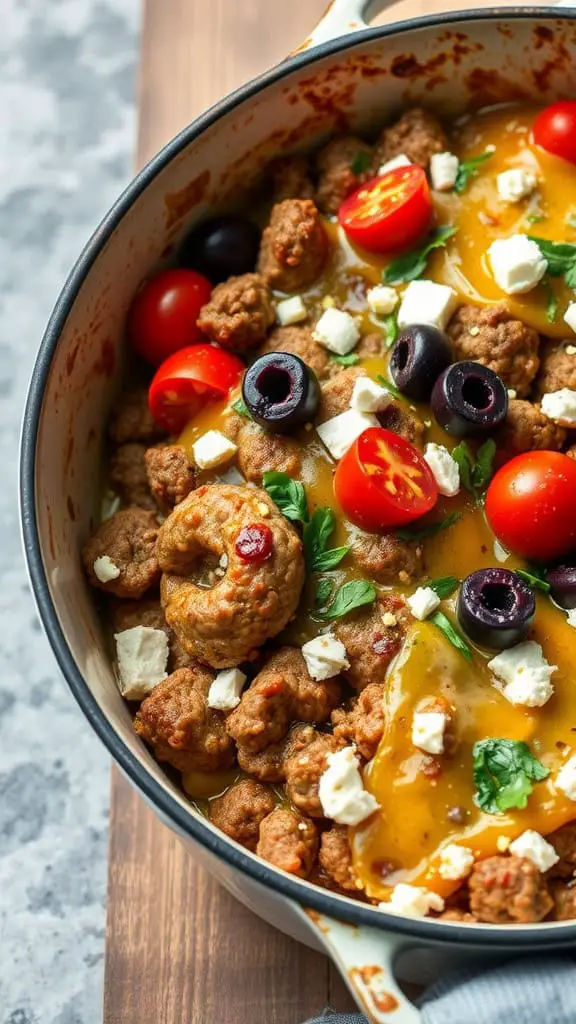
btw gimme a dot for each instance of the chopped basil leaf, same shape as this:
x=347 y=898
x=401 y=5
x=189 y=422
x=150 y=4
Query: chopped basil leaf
x=536 y=582
x=444 y=586
x=429 y=531
x=504 y=771
x=317 y=533
x=391 y=326
x=389 y=386
x=475 y=472
x=350 y=360
x=241 y=408
x=560 y=257
x=289 y=495
x=551 y=304
x=469 y=169
x=323 y=591
x=451 y=634
x=361 y=163
x=412 y=264
x=352 y=595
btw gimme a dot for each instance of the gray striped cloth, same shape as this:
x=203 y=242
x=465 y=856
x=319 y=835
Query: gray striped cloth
x=538 y=990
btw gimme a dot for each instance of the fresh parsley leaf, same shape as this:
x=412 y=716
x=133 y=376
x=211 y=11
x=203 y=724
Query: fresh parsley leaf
x=360 y=163
x=536 y=582
x=391 y=327
x=323 y=591
x=475 y=471
x=444 y=586
x=350 y=360
x=560 y=257
x=411 y=265
x=317 y=533
x=504 y=771
x=288 y=494
x=241 y=408
x=389 y=386
x=451 y=634
x=551 y=303
x=469 y=169
x=429 y=531
x=352 y=595
x=465 y=461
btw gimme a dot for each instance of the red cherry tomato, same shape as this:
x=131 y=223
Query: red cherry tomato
x=162 y=317
x=189 y=379
x=383 y=481
x=389 y=213
x=555 y=130
x=530 y=505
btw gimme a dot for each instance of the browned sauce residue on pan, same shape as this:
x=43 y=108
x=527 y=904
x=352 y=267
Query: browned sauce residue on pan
x=71 y=509
x=106 y=361
x=179 y=204
x=367 y=980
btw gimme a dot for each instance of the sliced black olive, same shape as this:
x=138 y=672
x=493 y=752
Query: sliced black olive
x=495 y=608
x=281 y=392
x=222 y=247
x=562 y=580
x=418 y=358
x=469 y=400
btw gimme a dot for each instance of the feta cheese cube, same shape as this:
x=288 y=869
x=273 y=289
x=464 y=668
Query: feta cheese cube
x=225 y=690
x=428 y=728
x=142 y=654
x=566 y=779
x=337 y=331
x=523 y=674
x=423 y=602
x=341 y=790
x=534 y=847
x=341 y=431
x=455 y=861
x=368 y=396
x=500 y=553
x=570 y=317
x=571 y=617
x=515 y=184
x=517 y=264
x=325 y=656
x=291 y=311
x=382 y=299
x=444 y=469
x=425 y=302
x=560 y=406
x=397 y=161
x=105 y=569
x=443 y=171
x=213 y=449
x=412 y=901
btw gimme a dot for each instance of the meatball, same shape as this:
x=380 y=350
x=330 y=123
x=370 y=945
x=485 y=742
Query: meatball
x=363 y=722
x=564 y=842
x=239 y=313
x=298 y=341
x=128 y=475
x=132 y=420
x=294 y=246
x=253 y=601
x=177 y=723
x=527 y=428
x=493 y=337
x=343 y=165
x=571 y=451
x=335 y=858
x=268 y=765
x=303 y=770
x=128 y=540
x=290 y=178
x=564 y=897
x=312 y=700
x=508 y=890
x=289 y=842
x=418 y=134
x=127 y=614
x=169 y=474
x=400 y=420
x=557 y=368
x=336 y=393
x=260 y=450
x=241 y=810
x=372 y=639
x=385 y=558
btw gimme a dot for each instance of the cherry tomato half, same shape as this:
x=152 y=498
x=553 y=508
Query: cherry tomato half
x=162 y=317
x=189 y=379
x=555 y=130
x=389 y=213
x=530 y=505
x=383 y=481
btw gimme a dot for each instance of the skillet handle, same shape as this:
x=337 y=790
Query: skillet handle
x=343 y=17
x=365 y=958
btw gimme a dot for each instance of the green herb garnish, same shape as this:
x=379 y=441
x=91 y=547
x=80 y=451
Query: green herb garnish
x=391 y=327
x=431 y=530
x=350 y=360
x=571 y=220
x=444 y=586
x=451 y=634
x=353 y=594
x=361 y=163
x=317 y=533
x=241 y=408
x=535 y=218
x=385 y=383
x=551 y=303
x=560 y=257
x=469 y=169
x=534 y=581
x=504 y=772
x=475 y=472
x=288 y=494
x=413 y=264
x=323 y=591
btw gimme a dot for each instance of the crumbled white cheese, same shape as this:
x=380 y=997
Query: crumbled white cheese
x=368 y=396
x=213 y=449
x=325 y=656
x=142 y=654
x=560 y=406
x=500 y=553
x=566 y=779
x=515 y=184
x=397 y=161
x=423 y=602
x=455 y=861
x=341 y=790
x=425 y=302
x=412 y=901
x=382 y=299
x=105 y=569
x=291 y=311
x=517 y=264
x=225 y=690
x=571 y=617
x=443 y=171
x=534 y=847
x=525 y=673
x=428 y=728
x=444 y=469
x=337 y=331
x=570 y=350
x=338 y=433
x=512 y=393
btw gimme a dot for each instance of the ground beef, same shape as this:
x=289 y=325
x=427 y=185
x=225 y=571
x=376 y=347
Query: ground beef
x=129 y=540
x=132 y=420
x=370 y=345
x=527 y=428
x=294 y=246
x=312 y=700
x=493 y=337
x=177 y=723
x=298 y=341
x=557 y=368
x=289 y=842
x=571 y=451
x=303 y=770
x=239 y=313
x=418 y=134
x=370 y=643
x=241 y=810
x=363 y=722
x=337 y=392
x=335 y=858
x=128 y=614
x=169 y=474
x=268 y=765
x=400 y=420
x=336 y=164
x=128 y=476
x=385 y=558
x=508 y=890
x=290 y=178
x=456 y=914
x=564 y=842
x=260 y=450
x=564 y=897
